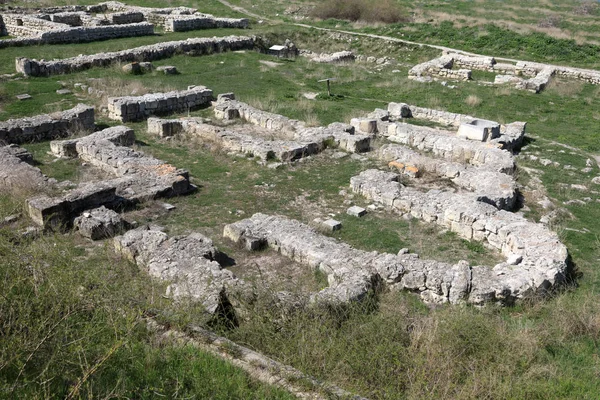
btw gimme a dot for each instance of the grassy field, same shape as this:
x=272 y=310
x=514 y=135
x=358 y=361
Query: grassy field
x=70 y=310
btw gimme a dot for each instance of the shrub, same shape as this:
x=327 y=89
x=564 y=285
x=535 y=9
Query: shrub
x=386 y=11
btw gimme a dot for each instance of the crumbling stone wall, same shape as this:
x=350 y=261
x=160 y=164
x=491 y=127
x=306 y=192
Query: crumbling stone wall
x=139 y=108
x=333 y=58
x=189 y=263
x=353 y=273
x=25 y=25
x=184 y=23
x=194 y=46
x=446 y=145
x=510 y=136
x=16 y=172
x=137 y=178
x=47 y=127
x=288 y=129
x=440 y=67
x=126 y=17
x=490 y=186
x=69 y=18
x=536 y=259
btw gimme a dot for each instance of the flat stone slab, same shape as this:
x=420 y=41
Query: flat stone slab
x=23 y=97
x=332 y=225
x=63 y=91
x=356 y=211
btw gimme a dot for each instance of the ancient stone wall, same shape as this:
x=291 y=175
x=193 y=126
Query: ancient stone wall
x=187 y=262
x=137 y=178
x=194 y=46
x=439 y=67
x=446 y=145
x=288 y=129
x=25 y=25
x=536 y=259
x=16 y=172
x=473 y=62
x=184 y=23
x=126 y=17
x=139 y=108
x=93 y=33
x=490 y=186
x=69 y=18
x=47 y=127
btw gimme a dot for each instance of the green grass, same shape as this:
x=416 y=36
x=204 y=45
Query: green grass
x=66 y=304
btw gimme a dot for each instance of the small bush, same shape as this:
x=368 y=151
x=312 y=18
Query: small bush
x=385 y=11
x=587 y=8
x=550 y=21
x=473 y=100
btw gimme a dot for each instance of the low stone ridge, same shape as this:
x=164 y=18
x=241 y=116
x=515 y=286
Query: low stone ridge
x=192 y=46
x=100 y=223
x=188 y=262
x=139 y=108
x=288 y=129
x=17 y=173
x=353 y=273
x=490 y=186
x=542 y=260
x=47 y=127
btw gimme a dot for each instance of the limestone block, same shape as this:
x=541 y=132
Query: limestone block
x=100 y=223
x=356 y=211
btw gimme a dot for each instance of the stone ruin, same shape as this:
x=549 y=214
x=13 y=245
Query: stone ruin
x=193 y=46
x=523 y=74
x=480 y=166
x=47 y=126
x=110 y=20
x=139 y=108
x=131 y=178
x=271 y=138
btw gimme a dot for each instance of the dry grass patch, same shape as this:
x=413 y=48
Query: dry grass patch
x=473 y=100
x=386 y=11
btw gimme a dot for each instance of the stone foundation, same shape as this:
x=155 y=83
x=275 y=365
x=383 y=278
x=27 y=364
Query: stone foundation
x=139 y=108
x=47 y=127
x=536 y=259
x=195 y=46
x=187 y=262
x=489 y=186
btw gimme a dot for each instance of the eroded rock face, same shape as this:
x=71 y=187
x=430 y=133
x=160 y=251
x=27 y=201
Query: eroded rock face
x=187 y=262
x=543 y=258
